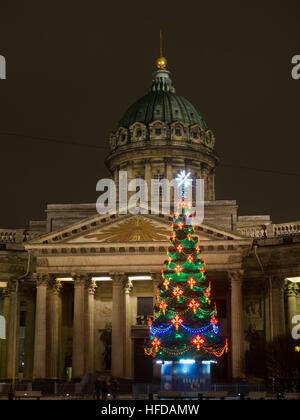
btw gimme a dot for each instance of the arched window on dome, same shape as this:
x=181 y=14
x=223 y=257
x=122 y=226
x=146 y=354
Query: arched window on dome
x=210 y=139
x=178 y=131
x=158 y=130
x=137 y=131
x=195 y=133
x=122 y=136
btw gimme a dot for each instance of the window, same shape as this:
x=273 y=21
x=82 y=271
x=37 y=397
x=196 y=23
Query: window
x=123 y=137
x=194 y=188
x=142 y=188
x=22 y=318
x=138 y=133
x=157 y=189
x=144 y=306
x=158 y=131
x=178 y=132
x=195 y=134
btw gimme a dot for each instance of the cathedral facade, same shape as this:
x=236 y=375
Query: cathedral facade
x=76 y=289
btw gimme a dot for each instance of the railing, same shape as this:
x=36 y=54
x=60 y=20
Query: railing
x=16 y=235
x=271 y=231
x=284 y=229
x=253 y=232
x=142 y=390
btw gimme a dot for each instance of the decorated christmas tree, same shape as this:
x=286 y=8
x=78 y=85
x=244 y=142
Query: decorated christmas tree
x=184 y=325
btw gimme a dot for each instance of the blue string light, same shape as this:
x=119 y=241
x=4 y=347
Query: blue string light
x=198 y=331
x=155 y=331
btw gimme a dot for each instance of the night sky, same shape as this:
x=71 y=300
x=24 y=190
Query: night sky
x=74 y=67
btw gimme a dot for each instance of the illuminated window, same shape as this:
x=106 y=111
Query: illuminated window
x=157 y=188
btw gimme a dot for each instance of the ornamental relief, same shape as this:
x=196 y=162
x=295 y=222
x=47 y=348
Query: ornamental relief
x=42 y=262
x=253 y=314
x=106 y=309
x=134 y=229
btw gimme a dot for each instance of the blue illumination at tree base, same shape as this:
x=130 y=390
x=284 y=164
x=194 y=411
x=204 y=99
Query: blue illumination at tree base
x=186 y=377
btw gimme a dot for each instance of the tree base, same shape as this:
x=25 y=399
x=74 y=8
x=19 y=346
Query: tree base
x=187 y=377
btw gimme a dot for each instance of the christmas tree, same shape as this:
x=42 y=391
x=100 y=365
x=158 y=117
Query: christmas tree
x=184 y=325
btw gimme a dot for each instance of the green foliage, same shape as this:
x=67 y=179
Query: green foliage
x=183 y=295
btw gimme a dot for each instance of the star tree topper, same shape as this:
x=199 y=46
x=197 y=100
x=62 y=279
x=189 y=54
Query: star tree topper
x=183 y=179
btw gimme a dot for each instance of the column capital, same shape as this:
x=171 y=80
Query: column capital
x=156 y=279
x=204 y=167
x=42 y=279
x=235 y=276
x=128 y=287
x=156 y=276
x=118 y=279
x=11 y=286
x=80 y=279
x=5 y=292
x=292 y=289
x=56 y=287
x=92 y=286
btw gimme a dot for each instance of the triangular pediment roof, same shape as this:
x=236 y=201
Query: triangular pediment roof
x=126 y=228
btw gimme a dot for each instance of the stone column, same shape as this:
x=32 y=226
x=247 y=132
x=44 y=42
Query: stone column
x=291 y=293
x=204 y=176
x=130 y=177
x=147 y=176
x=169 y=177
x=211 y=182
x=277 y=307
x=156 y=279
x=78 y=358
x=90 y=361
x=13 y=333
x=117 y=350
x=4 y=343
x=55 y=328
x=29 y=333
x=237 y=329
x=116 y=179
x=267 y=323
x=128 y=353
x=39 y=361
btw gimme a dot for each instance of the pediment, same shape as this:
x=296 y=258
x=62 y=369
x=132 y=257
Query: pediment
x=126 y=228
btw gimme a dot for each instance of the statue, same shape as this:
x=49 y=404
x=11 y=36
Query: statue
x=105 y=338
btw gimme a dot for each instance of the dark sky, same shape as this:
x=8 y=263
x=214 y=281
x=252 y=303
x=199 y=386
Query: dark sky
x=74 y=67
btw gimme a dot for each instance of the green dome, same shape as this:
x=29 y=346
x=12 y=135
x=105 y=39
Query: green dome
x=162 y=103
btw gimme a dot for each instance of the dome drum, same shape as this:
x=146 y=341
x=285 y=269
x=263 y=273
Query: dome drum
x=159 y=130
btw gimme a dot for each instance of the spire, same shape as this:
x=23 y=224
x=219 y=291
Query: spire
x=161 y=62
x=161 y=80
